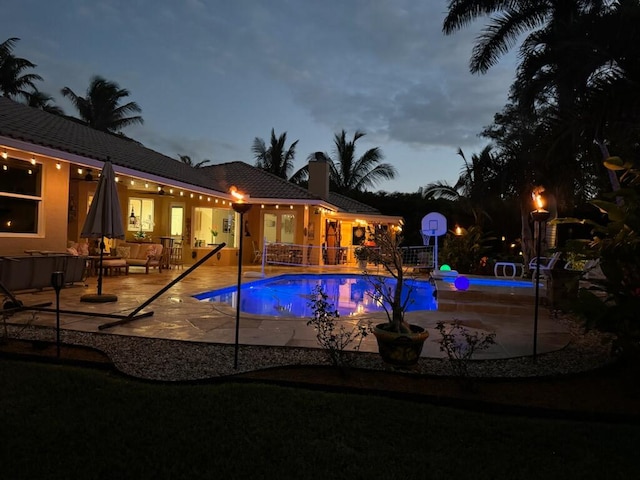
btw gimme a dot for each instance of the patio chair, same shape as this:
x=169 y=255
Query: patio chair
x=546 y=264
x=257 y=253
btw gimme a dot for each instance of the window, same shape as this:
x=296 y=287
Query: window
x=141 y=217
x=20 y=196
x=279 y=227
x=213 y=226
x=177 y=221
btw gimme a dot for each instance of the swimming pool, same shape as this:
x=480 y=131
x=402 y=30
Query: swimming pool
x=289 y=295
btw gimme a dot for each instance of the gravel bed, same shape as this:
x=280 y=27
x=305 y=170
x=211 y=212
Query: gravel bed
x=174 y=360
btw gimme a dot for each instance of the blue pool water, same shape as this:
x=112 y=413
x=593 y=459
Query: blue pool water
x=289 y=295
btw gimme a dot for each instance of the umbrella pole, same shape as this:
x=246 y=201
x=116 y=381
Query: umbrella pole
x=100 y=268
x=100 y=298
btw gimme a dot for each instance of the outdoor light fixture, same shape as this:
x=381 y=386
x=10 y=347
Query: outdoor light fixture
x=539 y=216
x=57 y=282
x=132 y=217
x=58 y=166
x=5 y=154
x=33 y=160
x=240 y=206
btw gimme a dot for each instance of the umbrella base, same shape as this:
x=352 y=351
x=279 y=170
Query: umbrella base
x=99 y=298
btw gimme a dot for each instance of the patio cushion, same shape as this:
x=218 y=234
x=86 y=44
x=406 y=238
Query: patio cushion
x=123 y=252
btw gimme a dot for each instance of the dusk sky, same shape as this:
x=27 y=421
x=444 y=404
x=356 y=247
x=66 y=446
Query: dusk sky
x=210 y=76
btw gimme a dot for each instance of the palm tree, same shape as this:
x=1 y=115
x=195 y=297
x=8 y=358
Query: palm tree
x=550 y=73
x=477 y=185
x=351 y=174
x=101 y=108
x=510 y=20
x=186 y=159
x=13 y=82
x=276 y=158
x=38 y=99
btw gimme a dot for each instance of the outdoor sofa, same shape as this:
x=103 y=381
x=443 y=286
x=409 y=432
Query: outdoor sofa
x=147 y=255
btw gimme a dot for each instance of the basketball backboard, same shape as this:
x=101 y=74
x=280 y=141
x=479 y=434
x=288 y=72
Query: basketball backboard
x=434 y=224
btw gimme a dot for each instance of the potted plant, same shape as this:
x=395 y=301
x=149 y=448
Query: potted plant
x=362 y=256
x=399 y=342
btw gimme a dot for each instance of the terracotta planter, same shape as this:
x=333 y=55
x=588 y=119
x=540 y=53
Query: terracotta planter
x=400 y=349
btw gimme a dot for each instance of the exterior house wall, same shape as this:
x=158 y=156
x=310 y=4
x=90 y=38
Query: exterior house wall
x=65 y=200
x=52 y=234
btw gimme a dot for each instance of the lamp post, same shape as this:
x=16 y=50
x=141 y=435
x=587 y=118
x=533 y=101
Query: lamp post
x=539 y=216
x=239 y=206
x=57 y=282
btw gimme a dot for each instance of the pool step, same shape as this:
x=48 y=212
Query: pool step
x=500 y=303
x=484 y=296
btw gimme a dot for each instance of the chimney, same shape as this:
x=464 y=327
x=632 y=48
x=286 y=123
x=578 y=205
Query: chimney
x=319 y=176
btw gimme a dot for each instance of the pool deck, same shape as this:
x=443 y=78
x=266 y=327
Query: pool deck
x=509 y=312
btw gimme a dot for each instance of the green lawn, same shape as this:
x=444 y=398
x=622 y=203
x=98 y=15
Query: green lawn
x=73 y=423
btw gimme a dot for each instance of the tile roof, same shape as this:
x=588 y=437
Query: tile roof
x=31 y=125
x=350 y=205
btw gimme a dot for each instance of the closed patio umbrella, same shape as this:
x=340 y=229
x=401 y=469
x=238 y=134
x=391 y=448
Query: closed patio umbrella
x=104 y=220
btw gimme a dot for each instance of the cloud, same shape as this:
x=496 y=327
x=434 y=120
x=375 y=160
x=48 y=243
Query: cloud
x=211 y=76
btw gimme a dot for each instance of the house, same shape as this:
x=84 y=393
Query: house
x=49 y=168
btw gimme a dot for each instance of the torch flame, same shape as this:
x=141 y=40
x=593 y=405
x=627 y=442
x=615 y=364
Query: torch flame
x=537 y=200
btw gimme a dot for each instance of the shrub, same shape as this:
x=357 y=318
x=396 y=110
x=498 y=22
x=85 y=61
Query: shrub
x=333 y=338
x=460 y=345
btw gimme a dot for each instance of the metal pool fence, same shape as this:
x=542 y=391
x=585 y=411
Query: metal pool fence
x=312 y=255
